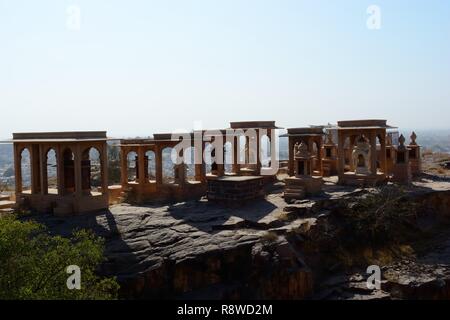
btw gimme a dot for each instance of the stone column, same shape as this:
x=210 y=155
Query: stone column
x=43 y=170
x=291 y=157
x=137 y=165
x=158 y=165
x=383 y=160
x=203 y=167
x=78 y=183
x=310 y=144
x=104 y=168
x=258 y=151
x=180 y=170
x=198 y=172
x=236 y=155
x=221 y=166
x=124 y=166
x=247 y=150
x=18 y=170
x=341 y=154
x=352 y=145
x=373 y=153
x=60 y=169
x=273 y=150
x=32 y=170
x=319 y=151
x=35 y=170
x=141 y=167
x=198 y=163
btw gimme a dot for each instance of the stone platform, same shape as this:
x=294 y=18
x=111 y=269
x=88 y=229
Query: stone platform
x=298 y=188
x=235 y=188
x=63 y=205
x=362 y=180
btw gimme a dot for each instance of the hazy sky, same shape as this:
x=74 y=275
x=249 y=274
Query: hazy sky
x=139 y=67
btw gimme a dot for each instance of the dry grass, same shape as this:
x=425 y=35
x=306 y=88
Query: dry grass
x=282 y=216
x=427 y=152
x=270 y=236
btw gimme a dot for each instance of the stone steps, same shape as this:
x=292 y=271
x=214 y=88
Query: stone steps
x=294 y=195
x=295 y=187
x=6 y=211
x=5 y=197
x=6 y=204
x=294 y=192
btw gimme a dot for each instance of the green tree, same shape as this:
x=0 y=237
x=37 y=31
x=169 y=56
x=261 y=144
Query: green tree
x=33 y=263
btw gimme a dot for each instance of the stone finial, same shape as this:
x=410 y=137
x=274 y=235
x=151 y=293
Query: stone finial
x=401 y=140
x=330 y=137
x=389 y=140
x=413 y=138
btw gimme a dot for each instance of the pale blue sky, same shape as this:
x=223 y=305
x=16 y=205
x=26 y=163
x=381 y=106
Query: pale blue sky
x=138 y=67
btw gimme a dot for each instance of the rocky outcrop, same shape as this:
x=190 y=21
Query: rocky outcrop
x=197 y=250
x=244 y=272
x=263 y=250
x=349 y=287
x=413 y=280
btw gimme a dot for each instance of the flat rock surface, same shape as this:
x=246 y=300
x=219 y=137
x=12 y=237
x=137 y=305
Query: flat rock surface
x=140 y=237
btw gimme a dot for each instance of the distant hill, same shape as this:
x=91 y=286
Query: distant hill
x=436 y=140
x=6 y=163
x=6 y=153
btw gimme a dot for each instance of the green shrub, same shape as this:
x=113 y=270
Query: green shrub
x=33 y=263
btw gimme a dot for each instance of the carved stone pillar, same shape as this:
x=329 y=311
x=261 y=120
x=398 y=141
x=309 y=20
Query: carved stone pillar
x=158 y=165
x=373 y=153
x=236 y=155
x=35 y=169
x=291 y=157
x=18 y=169
x=258 y=152
x=78 y=183
x=383 y=159
x=341 y=154
x=140 y=170
x=60 y=170
x=351 y=146
x=43 y=170
x=124 y=166
x=104 y=168
x=247 y=150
